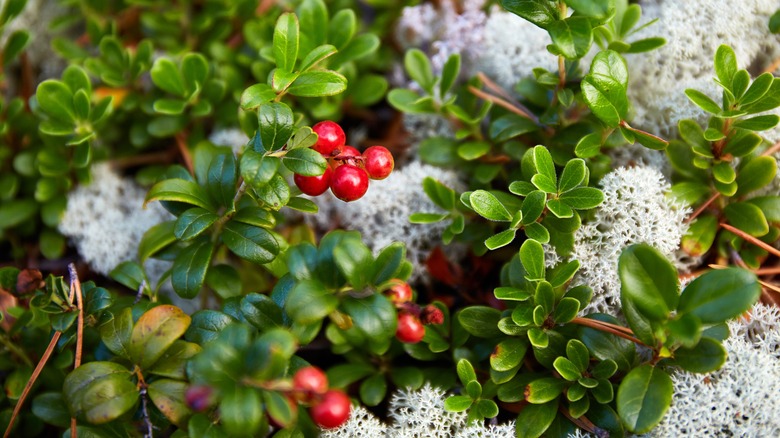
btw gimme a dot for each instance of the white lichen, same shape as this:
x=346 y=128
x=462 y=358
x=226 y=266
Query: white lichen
x=106 y=219
x=636 y=209
x=417 y=414
x=234 y=138
x=693 y=30
x=382 y=215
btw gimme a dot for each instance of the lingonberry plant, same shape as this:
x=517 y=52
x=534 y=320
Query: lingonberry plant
x=584 y=246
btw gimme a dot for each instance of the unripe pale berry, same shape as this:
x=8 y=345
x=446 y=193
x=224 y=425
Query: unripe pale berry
x=400 y=292
x=410 y=330
x=349 y=182
x=310 y=380
x=332 y=411
x=314 y=185
x=378 y=161
x=330 y=137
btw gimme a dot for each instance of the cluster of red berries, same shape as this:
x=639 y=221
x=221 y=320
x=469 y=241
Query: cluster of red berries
x=348 y=170
x=329 y=408
x=411 y=318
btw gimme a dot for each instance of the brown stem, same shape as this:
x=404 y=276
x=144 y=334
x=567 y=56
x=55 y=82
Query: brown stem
x=138 y=160
x=31 y=382
x=494 y=87
x=75 y=288
x=775 y=147
x=599 y=325
x=583 y=423
x=701 y=208
x=751 y=239
x=500 y=102
x=181 y=143
x=773 y=66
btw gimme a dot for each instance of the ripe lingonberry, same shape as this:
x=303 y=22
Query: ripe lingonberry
x=199 y=397
x=332 y=410
x=410 y=330
x=349 y=183
x=431 y=315
x=345 y=155
x=314 y=185
x=330 y=137
x=378 y=161
x=400 y=292
x=310 y=380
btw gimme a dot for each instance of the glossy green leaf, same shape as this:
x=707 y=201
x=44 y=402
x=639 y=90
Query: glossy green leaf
x=508 y=354
x=449 y=73
x=100 y=392
x=583 y=198
x=222 y=179
x=571 y=36
x=703 y=101
x=758 y=88
x=566 y=369
x=539 y=12
x=276 y=125
x=173 y=364
x=719 y=295
x=480 y=321
x=756 y=174
x=206 y=326
x=189 y=268
x=725 y=65
x=488 y=206
x=193 y=223
x=649 y=280
x=604 y=88
x=305 y=161
x=535 y=419
x=700 y=236
x=419 y=68
x=167 y=76
x=318 y=83
x=251 y=243
x=532 y=258
x=643 y=398
x=566 y=310
x=241 y=411
x=116 y=331
x=708 y=355
x=572 y=176
x=256 y=95
x=758 y=123
x=309 y=301
x=156 y=238
x=747 y=217
x=169 y=397
x=180 y=190
x=501 y=239
x=285 y=41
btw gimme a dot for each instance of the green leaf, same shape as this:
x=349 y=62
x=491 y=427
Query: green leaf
x=480 y=321
x=457 y=403
x=535 y=419
x=261 y=311
x=56 y=99
x=604 y=88
x=388 y=263
x=723 y=172
x=533 y=206
x=309 y=301
x=189 y=268
x=566 y=310
x=100 y=392
x=589 y=145
x=173 y=364
x=542 y=13
x=51 y=408
x=222 y=179
x=154 y=332
x=700 y=236
x=276 y=125
x=719 y=295
x=758 y=89
x=707 y=356
x=318 y=83
x=583 y=198
x=532 y=258
x=544 y=390
x=427 y=218
x=224 y=280
x=571 y=36
x=501 y=239
x=180 y=190
x=747 y=217
x=757 y=173
x=305 y=161
x=256 y=95
x=703 y=101
x=649 y=280
x=419 y=69
x=193 y=223
x=206 y=325
x=466 y=372
x=317 y=55
x=648 y=140
x=488 y=206
x=241 y=411
x=275 y=194
x=566 y=369
x=449 y=73
x=471 y=150
x=285 y=41
x=16 y=212
x=256 y=169
x=544 y=164
x=440 y=194
x=758 y=123
x=374 y=316
x=155 y=239
x=354 y=259
x=742 y=143
x=251 y=243
x=573 y=175
x=116 y=332
x=167 y=77
x=725 y=65
x=508 y=354
x=643 y=398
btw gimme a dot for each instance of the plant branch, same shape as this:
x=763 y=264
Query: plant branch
x=751 y=239
x=500 y=102
x=609 y=328
x=31 y=382
x=75 y=288
x=701 y=208
x=181 y=143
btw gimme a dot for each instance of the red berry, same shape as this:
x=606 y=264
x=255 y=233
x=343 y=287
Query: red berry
x=431 y=315
x=330 y=137
x=410 y=330
x=332 y=411
x=400 y=292
x=379 y=162
x=199 y=397
x=349 y=182
x=310 y=380
x=345 y=156
x=314 y=185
